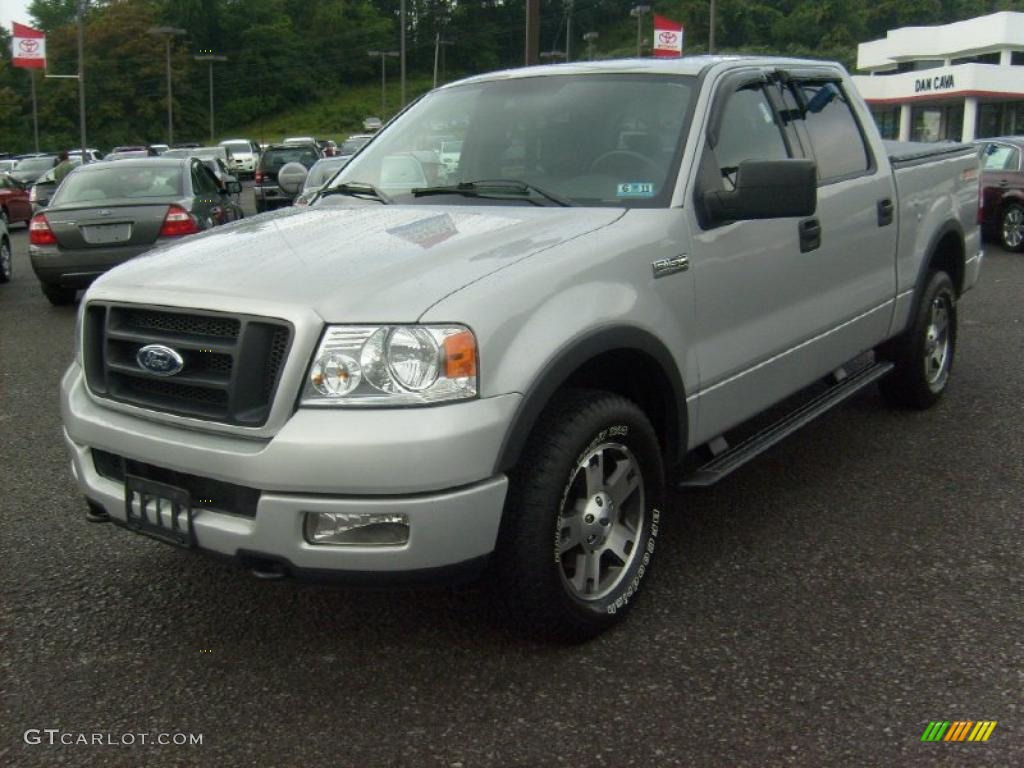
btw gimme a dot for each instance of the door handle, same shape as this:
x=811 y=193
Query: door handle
x=810 y=235
x=885 y=212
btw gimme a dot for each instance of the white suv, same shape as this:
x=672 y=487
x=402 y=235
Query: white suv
x=244 y=156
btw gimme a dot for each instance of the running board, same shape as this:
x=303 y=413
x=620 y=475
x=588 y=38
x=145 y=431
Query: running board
x=729 y=460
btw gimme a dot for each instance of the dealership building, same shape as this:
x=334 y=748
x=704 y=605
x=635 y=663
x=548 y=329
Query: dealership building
x=955 y=82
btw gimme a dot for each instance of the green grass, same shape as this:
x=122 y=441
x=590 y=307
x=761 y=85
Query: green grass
x=332 y=118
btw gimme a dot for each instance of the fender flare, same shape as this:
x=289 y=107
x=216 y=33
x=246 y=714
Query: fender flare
x=950 y=226
x=569 y=359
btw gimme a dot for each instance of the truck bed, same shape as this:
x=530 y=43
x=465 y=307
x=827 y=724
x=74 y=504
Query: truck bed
x=904 y=153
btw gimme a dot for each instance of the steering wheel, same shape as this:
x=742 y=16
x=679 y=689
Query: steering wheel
x=624 y=161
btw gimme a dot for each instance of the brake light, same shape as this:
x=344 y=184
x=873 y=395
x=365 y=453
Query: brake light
x=258 y=177
x=39 y=232
x=178 y=222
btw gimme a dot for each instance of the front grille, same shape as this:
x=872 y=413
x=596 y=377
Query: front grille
x=205 y=493
x=232 y=363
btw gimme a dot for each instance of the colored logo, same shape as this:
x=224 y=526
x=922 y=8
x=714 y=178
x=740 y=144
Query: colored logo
x=160 y=360
x=28 y=45
x=668 y=38
x=958 y=730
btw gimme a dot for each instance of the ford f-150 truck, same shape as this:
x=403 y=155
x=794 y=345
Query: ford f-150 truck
x=502 y=363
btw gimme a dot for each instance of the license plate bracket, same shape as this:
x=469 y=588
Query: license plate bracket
x=107 y=234
x=164 y=511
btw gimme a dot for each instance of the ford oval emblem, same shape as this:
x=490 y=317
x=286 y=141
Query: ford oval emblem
x=160 y=360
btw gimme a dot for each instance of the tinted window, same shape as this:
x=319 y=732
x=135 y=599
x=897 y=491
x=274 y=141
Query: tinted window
x=203 y=181
x=749 y=132
x=835 y=136
x=119 y=181
x=274 y=159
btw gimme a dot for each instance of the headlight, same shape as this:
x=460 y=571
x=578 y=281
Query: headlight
x=383 y=365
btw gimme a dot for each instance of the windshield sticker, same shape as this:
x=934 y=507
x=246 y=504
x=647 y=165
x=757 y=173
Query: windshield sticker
x=636 y=189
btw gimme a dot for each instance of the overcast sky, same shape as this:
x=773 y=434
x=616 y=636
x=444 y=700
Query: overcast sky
x=14 y=10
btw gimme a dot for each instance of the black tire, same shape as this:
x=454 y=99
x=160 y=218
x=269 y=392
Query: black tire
x=536 y=581
x=919 y=380
x=59 y=295
x=1011 y=228
x=5 y=219
x=6 y=261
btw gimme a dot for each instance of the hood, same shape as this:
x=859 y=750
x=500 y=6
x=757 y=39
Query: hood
x=364 y=263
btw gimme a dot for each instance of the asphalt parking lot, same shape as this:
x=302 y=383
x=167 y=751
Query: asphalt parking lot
x=818 y=609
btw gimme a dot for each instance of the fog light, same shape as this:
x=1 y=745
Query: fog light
x=389 y=529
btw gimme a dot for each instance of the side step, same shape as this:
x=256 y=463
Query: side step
x=733 y=458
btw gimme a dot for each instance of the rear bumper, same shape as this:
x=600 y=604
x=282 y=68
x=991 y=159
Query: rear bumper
x=79 y=268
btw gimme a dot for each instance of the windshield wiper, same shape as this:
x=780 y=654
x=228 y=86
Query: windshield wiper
x=357 y=189
x=487 y=187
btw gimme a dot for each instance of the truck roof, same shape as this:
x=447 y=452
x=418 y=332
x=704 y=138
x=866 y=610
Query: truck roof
x=689 y=65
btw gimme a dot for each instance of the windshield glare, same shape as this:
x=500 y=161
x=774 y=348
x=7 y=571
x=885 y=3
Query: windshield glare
x=113 y=183
x=610 y=140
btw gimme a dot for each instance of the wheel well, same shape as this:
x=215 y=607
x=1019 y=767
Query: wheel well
x=639 y=377
x=948 y=256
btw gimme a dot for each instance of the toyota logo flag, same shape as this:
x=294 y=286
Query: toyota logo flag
x=28 y=47
x=668 y=38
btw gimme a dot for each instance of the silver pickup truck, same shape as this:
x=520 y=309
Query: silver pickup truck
x=501 y=363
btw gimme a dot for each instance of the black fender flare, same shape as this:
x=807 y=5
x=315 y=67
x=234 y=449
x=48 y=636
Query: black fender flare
x=951 y=226
x=569 y=359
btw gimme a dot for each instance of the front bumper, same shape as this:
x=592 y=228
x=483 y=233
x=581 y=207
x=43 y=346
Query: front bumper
x=331 y=462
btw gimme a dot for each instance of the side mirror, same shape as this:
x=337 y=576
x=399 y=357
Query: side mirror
x=234 y=187
x=766 y=189
x=291 y=177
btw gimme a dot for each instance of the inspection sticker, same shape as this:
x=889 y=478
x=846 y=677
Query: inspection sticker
x=636 y=189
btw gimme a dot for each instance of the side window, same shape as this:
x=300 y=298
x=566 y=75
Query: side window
x=833 y=131
x=203 y=182
x=1000 y=157
x=749 y=132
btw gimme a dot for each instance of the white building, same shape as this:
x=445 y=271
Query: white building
x=955 y=82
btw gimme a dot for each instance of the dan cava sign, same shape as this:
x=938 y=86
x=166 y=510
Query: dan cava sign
x=28 y=47
x=668 y=38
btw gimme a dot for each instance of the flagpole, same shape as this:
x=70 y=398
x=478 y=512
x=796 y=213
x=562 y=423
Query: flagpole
x=35 y=112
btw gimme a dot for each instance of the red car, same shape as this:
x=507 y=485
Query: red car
x=14 y=203
x=1002 y=191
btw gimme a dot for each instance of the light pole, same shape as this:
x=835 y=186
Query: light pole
x=711 y=29
x=168 y=34
x=82 y=5
x=401 y=48
x=384 y=56
x=568 y=30
x=210 y=57
x=639 y=11
x=590 y=37
x=438 y=43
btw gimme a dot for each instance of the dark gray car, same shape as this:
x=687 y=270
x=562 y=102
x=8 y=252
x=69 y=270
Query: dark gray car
x=106 y=213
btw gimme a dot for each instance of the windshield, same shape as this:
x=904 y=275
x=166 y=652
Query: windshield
x=135 y=181
x=210 y=152
x=238 y=147
x=34 y=164
x=610 y=139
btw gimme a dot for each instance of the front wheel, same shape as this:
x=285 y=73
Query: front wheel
x=580 y=526
x=1012 y=229
x=923 y=354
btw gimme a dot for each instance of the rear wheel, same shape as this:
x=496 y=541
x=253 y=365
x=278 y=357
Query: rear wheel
x=582 y=517
x=59 y=295
x=6 y=267
x=923 y=354
x=1012 y=229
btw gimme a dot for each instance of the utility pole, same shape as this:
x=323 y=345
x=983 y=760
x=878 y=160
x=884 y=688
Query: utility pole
x=532 y=47
x=384 y=56
x=568 y=30
x=35 y=111
x=168 y=34
x=639 y=11
x=438 y=52
x=590 y=37
x=82 y=5
x=711 y=29
x=401 y=49
x=210 y=58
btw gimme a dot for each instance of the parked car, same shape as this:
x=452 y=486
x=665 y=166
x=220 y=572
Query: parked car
x=215 y=163
x=327 y=147
x=7 y=165
x=91 y=155
x=159 y=148
x=30 y=168
x=245 y=156
x=507 y=374
x=318 y=175
x=301 y=140
x=268 y=193
x=353 y=144
x=45 y=186
x=104 y=214
x=372 y=124
x=130 y=153
x=15 y=206
x=6 y=258
x=1002 y=191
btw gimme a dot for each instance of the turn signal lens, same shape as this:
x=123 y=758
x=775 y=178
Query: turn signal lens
x=460 y=355
x=178 y=222
x=39 y=232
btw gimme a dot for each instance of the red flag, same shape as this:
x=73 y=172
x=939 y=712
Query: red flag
x=28 y=47
x=668 y=38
